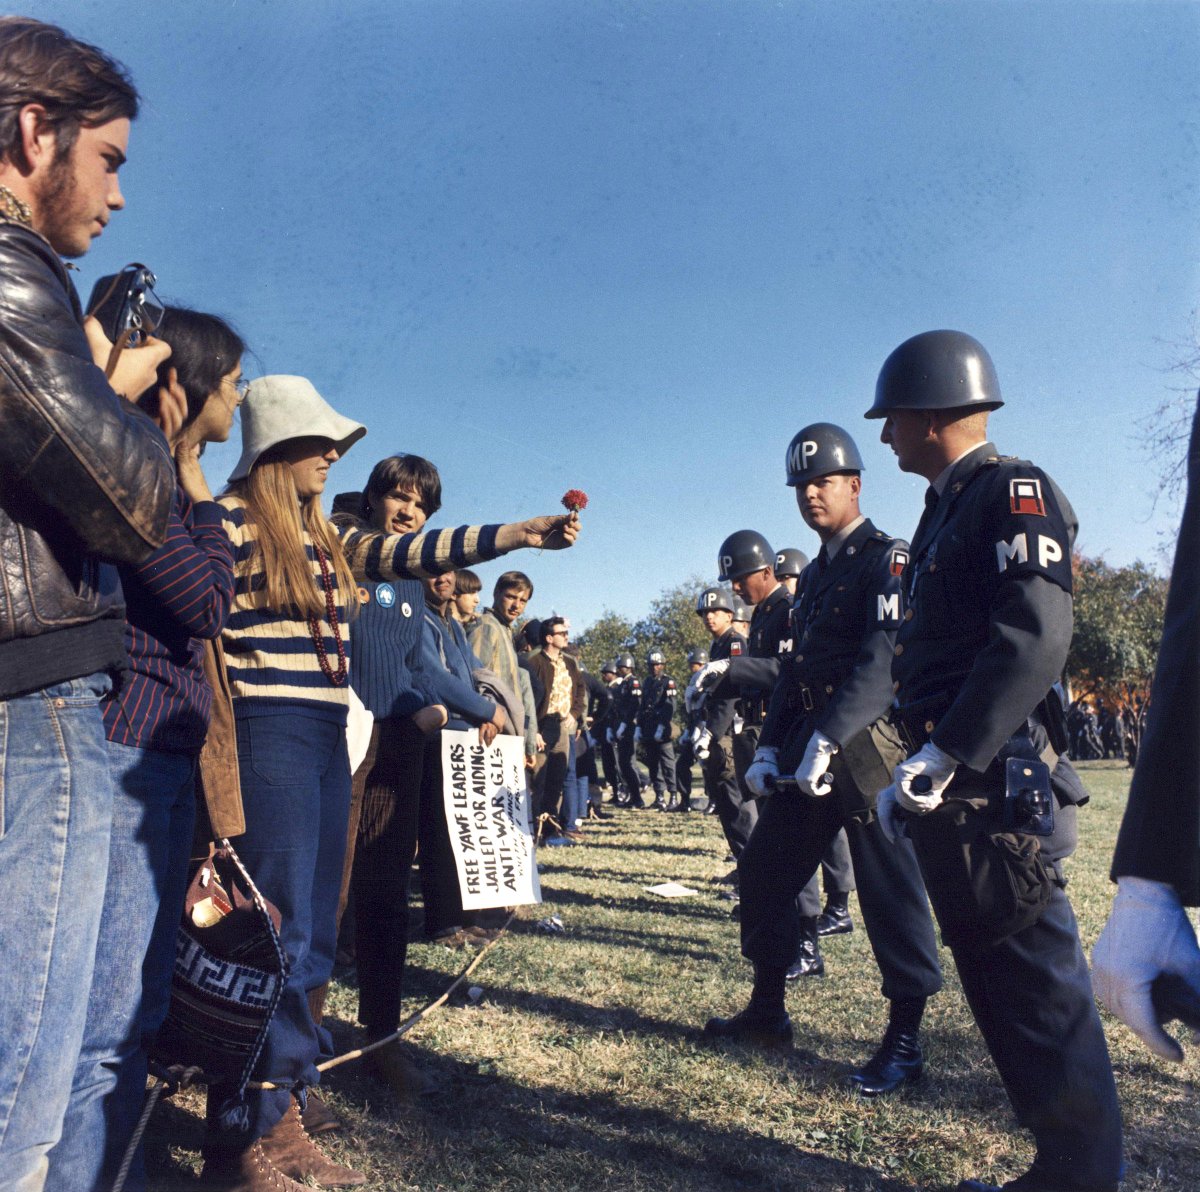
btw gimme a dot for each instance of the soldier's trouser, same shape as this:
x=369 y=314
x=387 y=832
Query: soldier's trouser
x=608 y=760
x=625 y=765
x=792 y=834
x=737 y=815
x=837 y=869
x=660 y=760
x=684 y=760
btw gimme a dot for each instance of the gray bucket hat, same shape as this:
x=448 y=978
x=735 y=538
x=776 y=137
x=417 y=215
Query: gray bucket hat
x=280 y=408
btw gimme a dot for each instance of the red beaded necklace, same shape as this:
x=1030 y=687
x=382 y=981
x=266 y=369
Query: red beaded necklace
x=338 y=677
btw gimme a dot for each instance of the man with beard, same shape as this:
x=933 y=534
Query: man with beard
x=87 y=481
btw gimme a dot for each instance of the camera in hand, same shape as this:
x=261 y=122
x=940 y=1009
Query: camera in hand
x=126 y=305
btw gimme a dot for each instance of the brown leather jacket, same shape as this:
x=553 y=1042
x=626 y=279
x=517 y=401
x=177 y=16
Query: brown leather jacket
x=85 y=477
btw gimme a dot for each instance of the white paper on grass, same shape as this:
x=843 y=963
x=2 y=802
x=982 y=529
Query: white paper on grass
x=670 y=890
x=489 y=812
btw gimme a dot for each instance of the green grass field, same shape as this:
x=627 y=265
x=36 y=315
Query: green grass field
x=581 y=1066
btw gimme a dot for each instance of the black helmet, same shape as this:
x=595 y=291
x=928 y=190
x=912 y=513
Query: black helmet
x=697 y=658
x=937 y=370
x=743 y=552
x=608 y=668
x=712 y=598
x=790 y=562
x=625 y=660
x=820 y=450
x=742 y=611
x=656 y=658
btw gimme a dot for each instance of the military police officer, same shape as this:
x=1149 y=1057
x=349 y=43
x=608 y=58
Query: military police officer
x=789 y=563
x=716 y=706
x=627 y=697
x=685 y=755
x=833 y=683
x=985 y=637
x=656 y=727
x=604 y=729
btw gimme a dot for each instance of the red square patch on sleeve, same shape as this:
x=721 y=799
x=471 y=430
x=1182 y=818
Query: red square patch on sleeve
x=1025 y=497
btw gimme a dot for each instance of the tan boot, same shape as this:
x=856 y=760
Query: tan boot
x=245 y=1171
x=390 y=1066
x=291 y=1150
x=317 y=1117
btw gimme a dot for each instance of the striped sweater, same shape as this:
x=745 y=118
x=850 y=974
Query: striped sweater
x=271 y=658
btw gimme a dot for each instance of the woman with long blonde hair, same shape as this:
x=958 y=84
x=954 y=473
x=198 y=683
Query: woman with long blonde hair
x=296 y=578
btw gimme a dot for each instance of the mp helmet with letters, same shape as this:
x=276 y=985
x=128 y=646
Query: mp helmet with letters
x=742 y=611
x=937 y=370
x=789 y=563
x=625 y=661
x=741 y=553
x=656 y=658
x=697 y=657
x=820 y=450
x=712 y=598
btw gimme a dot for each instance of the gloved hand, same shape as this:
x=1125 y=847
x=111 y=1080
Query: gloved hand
x=709 y=675
x=637 y=734
x=621 y=730
x=1148 y=932
x=812 y=773
x=891 y=821
x=763 y=770
x=660 y=732
x=920 y=780
x=610 y=736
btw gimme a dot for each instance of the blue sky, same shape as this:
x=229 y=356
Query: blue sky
x=634 y=247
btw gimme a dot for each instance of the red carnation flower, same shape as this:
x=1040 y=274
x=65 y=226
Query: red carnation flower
x=575 y=499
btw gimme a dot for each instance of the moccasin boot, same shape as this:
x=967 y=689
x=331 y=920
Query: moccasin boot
x=317 y=1117
x=291 y=1150
x=248 y=1170
x=390 y=1066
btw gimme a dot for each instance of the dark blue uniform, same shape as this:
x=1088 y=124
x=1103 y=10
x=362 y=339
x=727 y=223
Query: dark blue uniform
x=627 y=695
x=838 y=679
x=737 y=815
x=655 y=717
x=984 y=638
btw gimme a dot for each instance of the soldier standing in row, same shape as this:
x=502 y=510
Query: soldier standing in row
x=716 y=706
x=789 y=563
x=655 y=727
x=627 y=696
x=833 y=683
x=685 y=756
x=986 y=637
x=604 y=728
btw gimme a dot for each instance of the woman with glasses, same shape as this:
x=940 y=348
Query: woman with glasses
x=155 y=722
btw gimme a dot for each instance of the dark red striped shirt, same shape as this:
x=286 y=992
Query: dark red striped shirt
x=178 y=596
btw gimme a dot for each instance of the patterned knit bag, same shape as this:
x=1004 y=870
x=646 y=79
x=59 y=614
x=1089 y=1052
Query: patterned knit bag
x=230 y=971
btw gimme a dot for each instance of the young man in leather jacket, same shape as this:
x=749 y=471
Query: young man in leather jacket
x=86 y=480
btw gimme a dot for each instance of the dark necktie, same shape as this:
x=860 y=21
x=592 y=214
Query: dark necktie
x=931 y=502
x=822 y=561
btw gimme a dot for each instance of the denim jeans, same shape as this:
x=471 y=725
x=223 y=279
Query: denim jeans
x=574 y=791
x=55 y=814
x=154 y=808
x=295 y=776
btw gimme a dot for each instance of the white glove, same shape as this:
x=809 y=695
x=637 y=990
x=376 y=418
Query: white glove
x=637 y=734
x=812 y=773
x=929 y=762
x=763 y=770
x=1148 y=932
x=609 y=736
x=660 y=732
x=709 y=675
x=891 y=822
x=621 y=730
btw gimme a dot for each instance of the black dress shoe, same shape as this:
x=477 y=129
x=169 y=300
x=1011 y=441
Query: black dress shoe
x=752 y=1026
x=808 y=962
x=834 y=920
x=898 y=1061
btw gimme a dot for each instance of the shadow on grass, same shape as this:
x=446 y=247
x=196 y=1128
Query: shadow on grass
x=649 y=904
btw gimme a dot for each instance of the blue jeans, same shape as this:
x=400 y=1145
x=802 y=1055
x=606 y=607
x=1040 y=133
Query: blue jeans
x=55 y=814
x=574 y=791
x=154 y=810
x=296 y=793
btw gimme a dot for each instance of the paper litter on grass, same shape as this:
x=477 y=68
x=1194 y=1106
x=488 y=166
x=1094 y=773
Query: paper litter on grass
x=670 y=890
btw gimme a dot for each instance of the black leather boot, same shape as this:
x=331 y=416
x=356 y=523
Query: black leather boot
x=753 y=1025
x=898 y=1061
x=808 y=962
x=835 y=918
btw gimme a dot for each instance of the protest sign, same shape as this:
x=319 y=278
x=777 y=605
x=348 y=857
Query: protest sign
x=490 y=816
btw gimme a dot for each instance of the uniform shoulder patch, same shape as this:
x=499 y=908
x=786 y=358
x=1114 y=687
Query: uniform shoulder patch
x=671 y=686
x=735 y=648
x=1025 y=496
x=899 y=561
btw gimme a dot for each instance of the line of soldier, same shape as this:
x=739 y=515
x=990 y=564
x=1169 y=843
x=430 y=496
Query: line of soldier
x=907 y=698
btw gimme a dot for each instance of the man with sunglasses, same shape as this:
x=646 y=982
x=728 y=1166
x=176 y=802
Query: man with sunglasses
x=87 y=481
